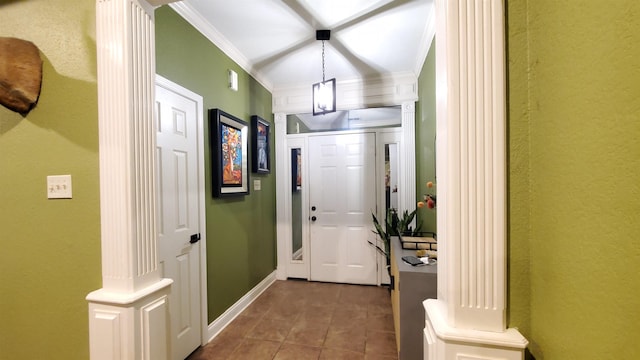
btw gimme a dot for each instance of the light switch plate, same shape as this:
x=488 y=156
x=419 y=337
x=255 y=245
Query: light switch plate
x=257 y=184
x=59 y=187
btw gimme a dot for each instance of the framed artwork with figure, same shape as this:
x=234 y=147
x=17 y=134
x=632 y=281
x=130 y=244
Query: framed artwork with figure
x=261 y=159
x=229 y=154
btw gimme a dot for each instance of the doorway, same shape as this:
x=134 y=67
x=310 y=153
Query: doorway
x=313 y=249
x=342 y=198
x=181 y=249
x=293 y=136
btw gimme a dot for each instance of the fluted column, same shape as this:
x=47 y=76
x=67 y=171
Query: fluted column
x=476 y=167
x=470 y=314
x=126 y=75
x=129 y=315
x=408 y=199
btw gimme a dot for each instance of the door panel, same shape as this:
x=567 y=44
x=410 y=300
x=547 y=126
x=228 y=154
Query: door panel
x=342 y=188
x=178 y=215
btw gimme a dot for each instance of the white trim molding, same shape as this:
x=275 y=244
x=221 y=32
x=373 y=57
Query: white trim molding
x=427 y=40
x=193 y=17
x=283 y=197
x=385 y=90
x=469 y=316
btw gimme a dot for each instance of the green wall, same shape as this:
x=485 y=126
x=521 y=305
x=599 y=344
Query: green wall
x=426 y=138
x=241 y=230
x=50 y=257
x=518 y=272
x=574 y=85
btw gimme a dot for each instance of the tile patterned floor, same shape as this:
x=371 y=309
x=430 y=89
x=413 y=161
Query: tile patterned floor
x=309 y=320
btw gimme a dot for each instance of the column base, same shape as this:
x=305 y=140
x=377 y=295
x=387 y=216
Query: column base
x=132 y=325
x=444 y=342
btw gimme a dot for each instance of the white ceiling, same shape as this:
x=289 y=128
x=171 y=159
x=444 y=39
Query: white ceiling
x=274 y=40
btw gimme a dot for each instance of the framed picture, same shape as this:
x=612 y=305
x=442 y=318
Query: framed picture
x=229 y=136
x=260 y=146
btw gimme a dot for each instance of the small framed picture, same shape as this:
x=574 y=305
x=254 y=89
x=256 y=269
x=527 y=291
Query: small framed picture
x=229 y=152
x=260 y=143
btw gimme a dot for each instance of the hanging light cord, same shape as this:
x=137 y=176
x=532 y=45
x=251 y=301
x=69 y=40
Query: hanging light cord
x=322 y=60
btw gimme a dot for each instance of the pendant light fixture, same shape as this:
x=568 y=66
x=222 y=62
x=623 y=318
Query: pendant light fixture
x=324 y=93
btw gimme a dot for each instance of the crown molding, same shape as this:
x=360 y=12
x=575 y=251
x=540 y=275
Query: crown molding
x=209 y=31
x=427 y=40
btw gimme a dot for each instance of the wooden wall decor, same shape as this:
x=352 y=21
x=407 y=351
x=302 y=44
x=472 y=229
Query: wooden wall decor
x=20 y=74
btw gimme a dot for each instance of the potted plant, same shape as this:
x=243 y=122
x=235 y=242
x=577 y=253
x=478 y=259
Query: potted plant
x=393 y=226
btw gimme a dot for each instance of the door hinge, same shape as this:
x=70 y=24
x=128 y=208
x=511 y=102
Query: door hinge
x=195 y=238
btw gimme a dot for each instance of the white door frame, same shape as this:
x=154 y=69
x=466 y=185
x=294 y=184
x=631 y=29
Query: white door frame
x=406 y=134
x=171 y=86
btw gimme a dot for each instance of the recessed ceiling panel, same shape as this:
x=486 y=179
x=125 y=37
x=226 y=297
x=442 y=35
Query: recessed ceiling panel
x=257 y=28
x=306 y=66
x=277 y=37
x=332 y=13
x=390 y=39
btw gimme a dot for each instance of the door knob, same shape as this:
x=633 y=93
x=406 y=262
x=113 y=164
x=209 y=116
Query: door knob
x=313 y=218
x=194 y=238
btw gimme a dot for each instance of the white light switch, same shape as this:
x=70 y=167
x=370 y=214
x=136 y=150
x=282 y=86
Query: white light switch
x=257 y=184
x=59 y=187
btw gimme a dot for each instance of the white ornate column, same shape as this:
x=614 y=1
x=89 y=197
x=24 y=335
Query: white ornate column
x=407 y=199
x=129 y=315
x=468 y=320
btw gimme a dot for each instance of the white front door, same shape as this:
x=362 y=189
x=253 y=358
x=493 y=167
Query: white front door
x=342 y=198
x=178 y=215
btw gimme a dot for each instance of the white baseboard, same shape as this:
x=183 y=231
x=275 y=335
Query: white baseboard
x=227 y=317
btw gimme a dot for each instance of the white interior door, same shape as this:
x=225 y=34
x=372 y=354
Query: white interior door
x=342 y=198
x=178 y=219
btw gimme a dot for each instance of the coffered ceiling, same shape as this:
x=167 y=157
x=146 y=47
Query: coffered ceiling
x=275 y=40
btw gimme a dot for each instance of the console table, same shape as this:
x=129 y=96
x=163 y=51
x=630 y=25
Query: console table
x=410 y=286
